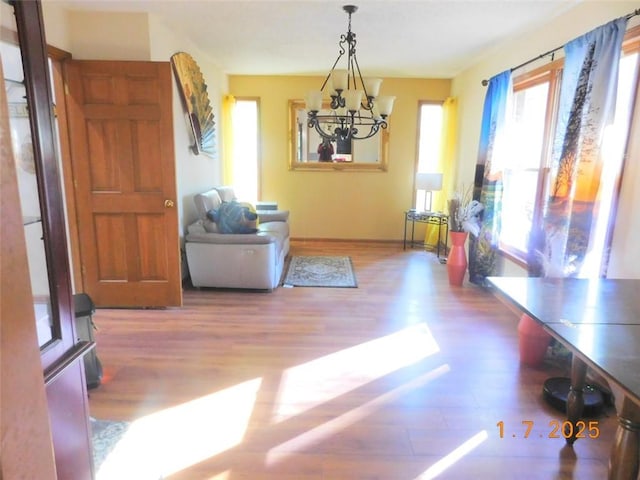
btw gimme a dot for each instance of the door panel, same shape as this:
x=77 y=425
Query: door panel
x=122 y=148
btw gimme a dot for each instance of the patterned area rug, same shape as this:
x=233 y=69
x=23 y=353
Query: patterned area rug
x=105 y=435
x=320 y=271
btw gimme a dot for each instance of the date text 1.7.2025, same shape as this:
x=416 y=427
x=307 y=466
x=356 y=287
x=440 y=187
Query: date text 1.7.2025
x=556 y=429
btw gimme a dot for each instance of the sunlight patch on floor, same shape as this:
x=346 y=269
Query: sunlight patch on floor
x=313 y=383
x=221 y=476
x=441 y=465
x=314 y=436
x=173 y=439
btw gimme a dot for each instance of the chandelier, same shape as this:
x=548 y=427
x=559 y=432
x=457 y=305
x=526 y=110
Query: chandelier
x=356 y=110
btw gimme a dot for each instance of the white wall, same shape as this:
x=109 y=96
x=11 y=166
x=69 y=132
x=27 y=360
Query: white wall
x=56 y=21
x=470 y=92
x=109 y=36
x=195 y=173
x=117 y=36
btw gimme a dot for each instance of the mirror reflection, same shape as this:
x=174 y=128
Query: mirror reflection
x=309 y=151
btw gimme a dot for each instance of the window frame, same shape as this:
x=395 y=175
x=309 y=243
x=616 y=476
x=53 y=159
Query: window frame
x=552 y=72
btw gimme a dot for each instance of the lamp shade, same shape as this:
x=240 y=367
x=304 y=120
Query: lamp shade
x=313 y=100
x=385 y=105
x=431 y=182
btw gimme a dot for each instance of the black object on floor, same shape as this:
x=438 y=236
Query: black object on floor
x=84 y=309
x=556 y=390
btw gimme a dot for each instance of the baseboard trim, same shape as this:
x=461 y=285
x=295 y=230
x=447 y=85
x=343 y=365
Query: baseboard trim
x=344 y=240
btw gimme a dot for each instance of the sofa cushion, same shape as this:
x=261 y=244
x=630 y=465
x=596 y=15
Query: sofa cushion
x=277 y=230
x=210 y=226
x=265 y=216
x=196 y=227
x=274 y=228
x=209 y=200
x=233 y=238
x=226 y=193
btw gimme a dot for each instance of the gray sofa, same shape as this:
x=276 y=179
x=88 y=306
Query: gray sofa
x=236 y=260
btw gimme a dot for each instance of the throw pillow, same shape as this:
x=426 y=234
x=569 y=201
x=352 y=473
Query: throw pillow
x=234 y=217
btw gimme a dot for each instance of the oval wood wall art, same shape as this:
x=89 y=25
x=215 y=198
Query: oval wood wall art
x=195 y=99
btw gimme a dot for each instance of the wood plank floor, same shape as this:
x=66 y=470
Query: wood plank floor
x=401 y=378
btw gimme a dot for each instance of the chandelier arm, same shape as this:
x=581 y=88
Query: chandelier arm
x=369 y=104
x=352 y=73
x=315 y=124
x=342 y=119
x=374 y=129
x=332 y=68
x=346 y=126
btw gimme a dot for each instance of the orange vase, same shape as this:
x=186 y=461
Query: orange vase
x=457 y=258
x=533 y=341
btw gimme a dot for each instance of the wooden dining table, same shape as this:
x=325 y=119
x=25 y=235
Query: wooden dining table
x=598 y=320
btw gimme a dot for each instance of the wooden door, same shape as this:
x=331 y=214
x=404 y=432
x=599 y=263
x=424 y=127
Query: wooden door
x=122 y=152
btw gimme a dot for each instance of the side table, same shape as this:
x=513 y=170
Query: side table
x=432 y=218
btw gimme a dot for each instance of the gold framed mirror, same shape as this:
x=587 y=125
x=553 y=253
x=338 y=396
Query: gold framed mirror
x=306 y=148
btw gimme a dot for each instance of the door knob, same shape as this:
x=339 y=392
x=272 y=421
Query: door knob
x=168 y=203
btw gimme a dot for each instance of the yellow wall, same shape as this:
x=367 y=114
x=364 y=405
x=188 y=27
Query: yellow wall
x=339 y=204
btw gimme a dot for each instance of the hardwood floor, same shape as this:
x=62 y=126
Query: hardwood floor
x=401 y=378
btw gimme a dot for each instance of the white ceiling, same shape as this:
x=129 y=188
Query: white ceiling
x=406 y=38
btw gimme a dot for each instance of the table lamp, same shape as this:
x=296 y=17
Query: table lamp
x=429 y=182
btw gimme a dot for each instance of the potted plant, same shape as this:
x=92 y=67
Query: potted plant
x=464 y=218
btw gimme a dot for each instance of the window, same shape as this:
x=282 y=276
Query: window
x=525 y=177
x=429 y=144
x=245 y=161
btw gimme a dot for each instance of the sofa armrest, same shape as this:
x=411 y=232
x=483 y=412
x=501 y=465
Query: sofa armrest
x=231 y=238
x=265 y=216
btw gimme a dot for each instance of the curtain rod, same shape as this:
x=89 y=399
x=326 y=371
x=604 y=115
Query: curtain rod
x=554 y=50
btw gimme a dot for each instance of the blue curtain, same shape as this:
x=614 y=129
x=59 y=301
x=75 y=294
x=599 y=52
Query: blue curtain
x=483 y=255
x=587 y=105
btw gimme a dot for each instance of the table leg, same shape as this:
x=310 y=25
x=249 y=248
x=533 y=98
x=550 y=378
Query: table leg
x=446 y=240
x=404 y=241
x=575 y=398
x=624 y=459
x=413 y=229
